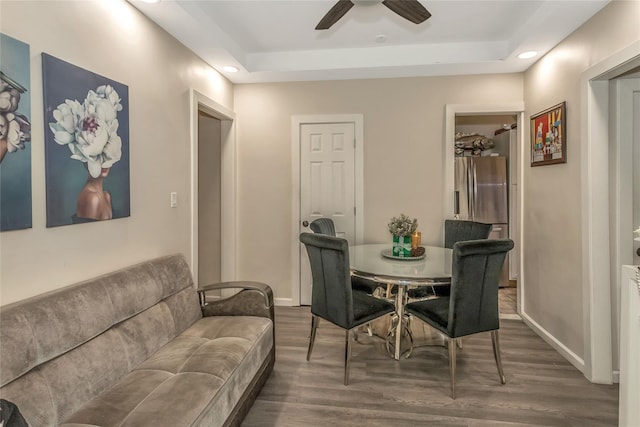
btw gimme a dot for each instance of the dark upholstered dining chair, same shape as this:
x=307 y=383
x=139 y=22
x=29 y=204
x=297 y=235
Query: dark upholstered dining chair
x=332 y=298
x=454 y=231
x=472 y=306
x=460 y=230
x=323 y=226
x=326 y=226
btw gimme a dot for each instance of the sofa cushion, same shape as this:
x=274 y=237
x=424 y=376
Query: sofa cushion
x=208 y=366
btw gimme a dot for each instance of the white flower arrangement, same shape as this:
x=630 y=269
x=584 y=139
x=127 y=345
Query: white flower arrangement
x=402 y=225
x=15 y=128
x=90 y=129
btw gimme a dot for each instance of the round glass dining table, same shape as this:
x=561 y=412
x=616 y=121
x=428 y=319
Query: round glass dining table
x=369 y=262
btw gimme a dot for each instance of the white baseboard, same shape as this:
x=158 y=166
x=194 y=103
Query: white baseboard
x=283 y=302
x=573 y=358
x=510 y=316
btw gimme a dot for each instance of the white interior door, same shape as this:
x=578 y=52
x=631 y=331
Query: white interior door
x=327 y=185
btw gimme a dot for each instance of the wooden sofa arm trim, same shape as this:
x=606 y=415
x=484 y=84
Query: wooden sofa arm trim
x=258 y=286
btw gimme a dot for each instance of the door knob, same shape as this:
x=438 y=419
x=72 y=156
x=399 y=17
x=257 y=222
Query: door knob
x=305 y=223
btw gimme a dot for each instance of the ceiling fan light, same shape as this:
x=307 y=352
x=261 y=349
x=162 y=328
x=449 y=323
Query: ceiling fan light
x=528 y=54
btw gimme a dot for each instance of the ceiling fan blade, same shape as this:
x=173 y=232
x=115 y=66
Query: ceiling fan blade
x=335 y=13
x=411 y=10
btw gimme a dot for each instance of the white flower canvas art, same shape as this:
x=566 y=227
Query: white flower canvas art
x=86 y=145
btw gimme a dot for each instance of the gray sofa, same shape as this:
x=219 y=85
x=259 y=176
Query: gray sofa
x=137 y=348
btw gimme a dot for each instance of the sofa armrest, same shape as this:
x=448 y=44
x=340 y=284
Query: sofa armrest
x=254 y=299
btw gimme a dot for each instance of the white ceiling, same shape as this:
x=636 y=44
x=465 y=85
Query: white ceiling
x=275 y=40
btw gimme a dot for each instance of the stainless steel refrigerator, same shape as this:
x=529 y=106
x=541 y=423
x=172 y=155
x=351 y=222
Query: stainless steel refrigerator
x=481 y=195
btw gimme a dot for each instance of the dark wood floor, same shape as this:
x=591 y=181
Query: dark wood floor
x=542 y=388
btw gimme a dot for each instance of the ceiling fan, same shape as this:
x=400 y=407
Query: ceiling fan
x=411 y=10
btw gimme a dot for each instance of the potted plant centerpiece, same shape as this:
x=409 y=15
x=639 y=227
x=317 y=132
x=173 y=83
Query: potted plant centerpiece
x=401 y=227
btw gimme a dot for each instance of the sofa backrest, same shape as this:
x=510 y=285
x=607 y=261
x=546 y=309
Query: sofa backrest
x=61 y=349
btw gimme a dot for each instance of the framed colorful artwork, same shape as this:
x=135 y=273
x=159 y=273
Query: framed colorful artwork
x=15 y=135
x=549 y=136
x=86 y=122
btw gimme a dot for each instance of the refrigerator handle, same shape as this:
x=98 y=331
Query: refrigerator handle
x=456 y=202
x=473 y=191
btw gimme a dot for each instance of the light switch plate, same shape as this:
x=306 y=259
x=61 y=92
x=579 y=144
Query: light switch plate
x=174 y=199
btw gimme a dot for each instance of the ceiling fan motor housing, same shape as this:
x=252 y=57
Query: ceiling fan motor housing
x=411 y=10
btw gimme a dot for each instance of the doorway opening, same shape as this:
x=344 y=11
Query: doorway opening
x=598 y=225
x=495 y=136
x=209 y=192
x=500 y=126
x=218 y=120
x=624 y=184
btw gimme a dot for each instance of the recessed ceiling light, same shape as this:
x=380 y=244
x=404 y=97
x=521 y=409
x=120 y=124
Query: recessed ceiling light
x=528 y=54
x=381 y=38
x=230 y=69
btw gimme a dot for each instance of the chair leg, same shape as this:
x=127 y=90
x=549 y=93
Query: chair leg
x=496 y=355
x=452 y=366
x=312 y=337
x=347 y=357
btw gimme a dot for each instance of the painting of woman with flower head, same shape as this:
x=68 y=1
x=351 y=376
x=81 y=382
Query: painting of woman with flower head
x=86 y=145
x=15 y=135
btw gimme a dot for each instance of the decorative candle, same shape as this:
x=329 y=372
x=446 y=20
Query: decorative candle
x=415 y=239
